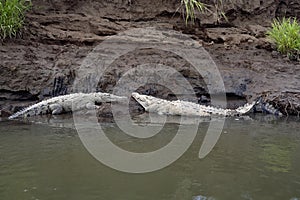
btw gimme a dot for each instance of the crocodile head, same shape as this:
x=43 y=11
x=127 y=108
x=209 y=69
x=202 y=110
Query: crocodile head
x=142 y=99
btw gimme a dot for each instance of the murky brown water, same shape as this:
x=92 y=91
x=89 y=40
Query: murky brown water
x=253 y=159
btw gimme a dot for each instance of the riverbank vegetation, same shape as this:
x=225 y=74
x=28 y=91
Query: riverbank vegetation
x=12 y=15
x=190 y=7
x=286 y=35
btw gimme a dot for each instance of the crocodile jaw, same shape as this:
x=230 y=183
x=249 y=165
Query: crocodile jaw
x=141 y=99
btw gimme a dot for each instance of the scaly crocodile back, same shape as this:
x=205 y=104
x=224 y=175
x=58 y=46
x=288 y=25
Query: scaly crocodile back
x=161 y=106
x=64 y=103
x=42 y=107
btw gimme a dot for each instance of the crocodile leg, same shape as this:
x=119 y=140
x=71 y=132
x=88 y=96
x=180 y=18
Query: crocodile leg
x=56 y=109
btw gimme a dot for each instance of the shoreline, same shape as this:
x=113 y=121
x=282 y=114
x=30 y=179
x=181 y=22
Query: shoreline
x=59 y=35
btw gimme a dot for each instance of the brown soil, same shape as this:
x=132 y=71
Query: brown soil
x=58 y=35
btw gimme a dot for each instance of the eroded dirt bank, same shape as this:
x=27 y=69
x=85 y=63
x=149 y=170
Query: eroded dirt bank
x=59 y=34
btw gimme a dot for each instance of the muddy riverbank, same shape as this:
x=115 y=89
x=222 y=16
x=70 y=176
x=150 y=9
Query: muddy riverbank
x=58 y=35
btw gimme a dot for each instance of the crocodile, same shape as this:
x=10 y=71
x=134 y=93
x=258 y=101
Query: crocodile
x=185 y=108
x=67 y=103
x=79 y=101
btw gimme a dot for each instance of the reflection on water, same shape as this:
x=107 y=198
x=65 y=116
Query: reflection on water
x=253 y=159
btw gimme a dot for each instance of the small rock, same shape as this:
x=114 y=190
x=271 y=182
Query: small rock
x=226 y=45
x=203 y=99
x=210 y=43
x=5 y=113
x=264 y=43
x=257 y=30
x=275 y=54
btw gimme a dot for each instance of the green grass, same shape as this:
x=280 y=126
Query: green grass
x=190 y=7
x=286 y=35
x=12 y=14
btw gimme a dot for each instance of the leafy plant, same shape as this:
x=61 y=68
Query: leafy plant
x=286 y=35
x=12 y=14
x=190 y=7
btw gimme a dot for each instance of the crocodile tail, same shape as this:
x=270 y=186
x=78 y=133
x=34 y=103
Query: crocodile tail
x=28 y=111
x=265 y=107
x=18 y=114
x=270 y=109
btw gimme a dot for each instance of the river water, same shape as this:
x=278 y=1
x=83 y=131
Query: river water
x=256 y=158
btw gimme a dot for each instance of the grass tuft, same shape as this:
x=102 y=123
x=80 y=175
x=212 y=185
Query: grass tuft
x=286 y=35
x=12 y=14
x=190 y=7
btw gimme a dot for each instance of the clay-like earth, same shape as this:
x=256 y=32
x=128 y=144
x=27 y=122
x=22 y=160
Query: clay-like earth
x=43 y=61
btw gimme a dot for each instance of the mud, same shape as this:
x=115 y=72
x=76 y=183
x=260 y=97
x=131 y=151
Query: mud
x=43 y=61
